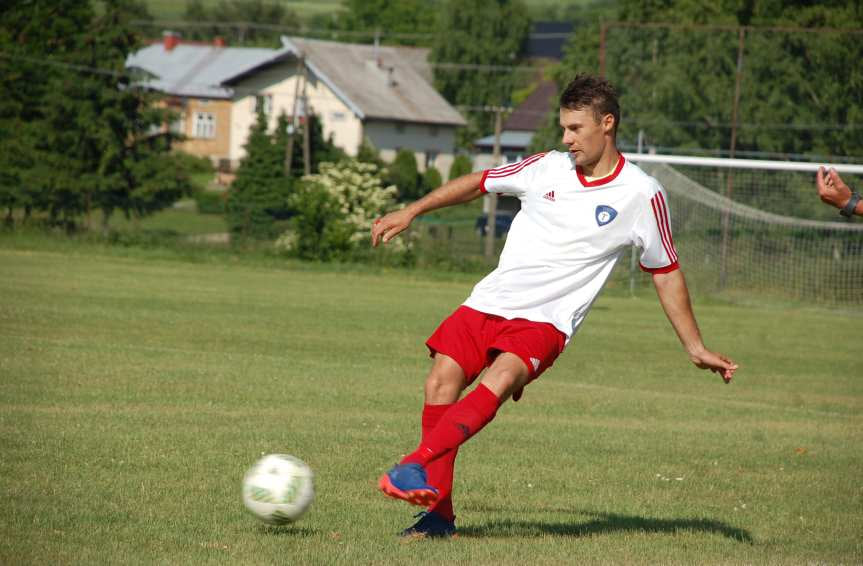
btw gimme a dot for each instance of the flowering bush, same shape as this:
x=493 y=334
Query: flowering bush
x=335 y=209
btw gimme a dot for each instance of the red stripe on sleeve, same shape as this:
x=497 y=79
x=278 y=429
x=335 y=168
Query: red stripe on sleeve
x=654 y=204
x=515 y=168
x=667 y=224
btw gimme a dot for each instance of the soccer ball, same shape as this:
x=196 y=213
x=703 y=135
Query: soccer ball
x=278 y=489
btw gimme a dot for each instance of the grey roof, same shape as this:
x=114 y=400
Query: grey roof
x=418 y=58
x=376 y=82
x=508 y=139
x=198 y=70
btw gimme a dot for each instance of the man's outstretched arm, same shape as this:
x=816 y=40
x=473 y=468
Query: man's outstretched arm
x=456 y=191
x=674 y=297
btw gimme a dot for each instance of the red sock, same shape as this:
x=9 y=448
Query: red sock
x=440 y=471
x=457 y=425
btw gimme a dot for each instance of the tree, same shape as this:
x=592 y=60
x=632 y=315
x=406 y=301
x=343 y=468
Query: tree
x=677 y=85
x=482 y=32
x=227 y=13
x=404 y=22
x=431 y=179
x=86 y=131
x=321 y=149
x=259 y=194
x=29 y=34
x=368 y=153
x=461 y=165
x=403 y=173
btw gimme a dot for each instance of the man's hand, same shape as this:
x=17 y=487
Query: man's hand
x=717 y=363
x=386 y=228
x=831 y=188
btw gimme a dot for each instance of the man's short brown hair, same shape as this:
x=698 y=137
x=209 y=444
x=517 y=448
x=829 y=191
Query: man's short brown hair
x=594 y=92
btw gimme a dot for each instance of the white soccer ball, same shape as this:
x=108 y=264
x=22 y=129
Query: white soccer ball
x=278 y=489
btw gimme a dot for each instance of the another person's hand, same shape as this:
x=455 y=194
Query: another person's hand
x=831 y=188
x=386 y=228
x=716 y=363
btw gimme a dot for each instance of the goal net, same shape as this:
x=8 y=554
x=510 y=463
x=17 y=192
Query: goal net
x=745 y=229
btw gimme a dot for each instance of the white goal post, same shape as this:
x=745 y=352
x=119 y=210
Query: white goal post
x=747 y=228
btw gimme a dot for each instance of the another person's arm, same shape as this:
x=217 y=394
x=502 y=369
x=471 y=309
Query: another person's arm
x=674 y=297
x=835 y=192
x=456 y=191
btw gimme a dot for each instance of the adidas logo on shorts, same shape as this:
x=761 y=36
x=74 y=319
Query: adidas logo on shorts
x=549 y=196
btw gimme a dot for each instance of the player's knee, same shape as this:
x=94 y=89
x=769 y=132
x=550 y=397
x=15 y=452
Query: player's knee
x=443 y=386
x=505 y=380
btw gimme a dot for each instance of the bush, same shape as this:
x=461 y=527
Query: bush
x=461 y=165
x=403 y=173
x=194 y=164
x=431 y=179
x=319 y=229
x=334 y=210
x=211 y=202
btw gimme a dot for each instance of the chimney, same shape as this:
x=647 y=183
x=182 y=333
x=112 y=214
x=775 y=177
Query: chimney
x=170 y=40
x=219 y=41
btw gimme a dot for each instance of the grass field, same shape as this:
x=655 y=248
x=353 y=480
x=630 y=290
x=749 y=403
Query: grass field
x=134 y=393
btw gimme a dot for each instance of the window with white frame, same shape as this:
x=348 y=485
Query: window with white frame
x=205 y=125
x=264 y=102
x=431 y=157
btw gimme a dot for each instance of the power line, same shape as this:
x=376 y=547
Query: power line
x=240 y=25
x=248 y=91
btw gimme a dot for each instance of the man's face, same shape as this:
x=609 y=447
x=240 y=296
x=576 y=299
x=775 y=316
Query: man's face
x=584 y=137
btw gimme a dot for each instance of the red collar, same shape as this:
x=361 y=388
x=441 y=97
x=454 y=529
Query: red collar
x=604 y=180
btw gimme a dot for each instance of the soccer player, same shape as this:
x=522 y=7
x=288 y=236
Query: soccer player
x=580 y=210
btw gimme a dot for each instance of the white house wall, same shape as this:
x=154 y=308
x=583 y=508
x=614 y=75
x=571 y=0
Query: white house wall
x=280 y=82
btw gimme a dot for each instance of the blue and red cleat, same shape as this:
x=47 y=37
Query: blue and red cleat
x=431 y=525
x=408 y=482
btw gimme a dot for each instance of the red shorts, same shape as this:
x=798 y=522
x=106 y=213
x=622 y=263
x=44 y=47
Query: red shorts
x=474 y=339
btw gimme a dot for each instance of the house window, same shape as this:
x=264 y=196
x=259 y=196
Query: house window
x=431 y=157
x=400 y=128
x=205 y=125
x=433 y=131
x=264 y=102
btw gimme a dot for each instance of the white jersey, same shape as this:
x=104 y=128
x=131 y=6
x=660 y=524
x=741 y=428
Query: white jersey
x=563 y=244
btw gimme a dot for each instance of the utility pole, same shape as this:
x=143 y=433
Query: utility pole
x=307 y=159
x=729 y=185
x=289 y=150
x=491 y=222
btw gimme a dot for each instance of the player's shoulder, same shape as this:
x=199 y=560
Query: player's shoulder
x=550 y=160
x=639 y=180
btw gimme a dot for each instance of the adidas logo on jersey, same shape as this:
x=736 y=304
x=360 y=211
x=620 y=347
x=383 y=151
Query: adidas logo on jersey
x=549 y=196
x=535 y=363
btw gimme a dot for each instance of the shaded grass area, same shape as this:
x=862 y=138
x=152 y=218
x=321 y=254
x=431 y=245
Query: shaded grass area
x=135 y=391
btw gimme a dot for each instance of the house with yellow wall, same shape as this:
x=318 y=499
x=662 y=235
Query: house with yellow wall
x=359 y=92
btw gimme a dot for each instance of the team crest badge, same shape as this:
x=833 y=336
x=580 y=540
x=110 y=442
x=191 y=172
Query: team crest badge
x=604 y=214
